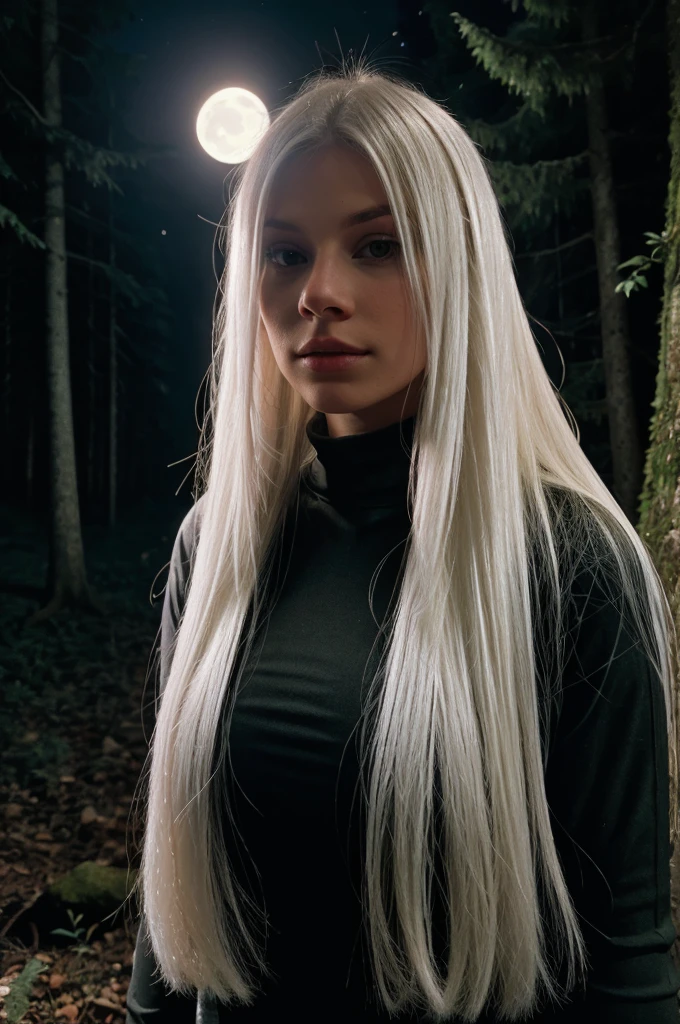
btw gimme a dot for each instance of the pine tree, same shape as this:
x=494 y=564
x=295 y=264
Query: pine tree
x=557 y=54
x=66 y=150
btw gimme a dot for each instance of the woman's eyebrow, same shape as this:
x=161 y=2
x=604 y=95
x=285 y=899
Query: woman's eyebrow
x=371 y=213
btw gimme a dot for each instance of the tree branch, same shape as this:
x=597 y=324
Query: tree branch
x=28 y=103
x=559 y=248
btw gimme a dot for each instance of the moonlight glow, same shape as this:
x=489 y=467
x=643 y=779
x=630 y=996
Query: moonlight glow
x=230 y=124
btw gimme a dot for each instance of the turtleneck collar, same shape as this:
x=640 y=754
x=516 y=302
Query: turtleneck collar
x=368 y=470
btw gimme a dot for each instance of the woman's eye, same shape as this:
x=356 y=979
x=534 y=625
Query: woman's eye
x=273 y=251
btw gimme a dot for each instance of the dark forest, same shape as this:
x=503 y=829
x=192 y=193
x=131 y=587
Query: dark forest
x=109 y=262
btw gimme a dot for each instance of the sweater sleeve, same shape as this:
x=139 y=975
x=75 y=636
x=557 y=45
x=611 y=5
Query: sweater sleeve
x=607 y=785
x=148 y=998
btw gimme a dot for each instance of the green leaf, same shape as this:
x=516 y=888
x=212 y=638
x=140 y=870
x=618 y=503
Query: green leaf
x=9 y=219
x=18 y=1000
x=636 y=261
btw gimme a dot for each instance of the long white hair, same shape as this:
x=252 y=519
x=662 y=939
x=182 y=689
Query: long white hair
x=504 y=493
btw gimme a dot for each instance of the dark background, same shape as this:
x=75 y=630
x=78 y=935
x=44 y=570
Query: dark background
x=77 y=688
x=170 y=208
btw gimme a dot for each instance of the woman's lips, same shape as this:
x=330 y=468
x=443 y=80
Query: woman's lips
x=331 y=361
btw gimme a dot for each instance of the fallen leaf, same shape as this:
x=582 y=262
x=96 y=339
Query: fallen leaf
x=100 y=1001
x=88 y=815
x=56 y=980
x=70 y=1012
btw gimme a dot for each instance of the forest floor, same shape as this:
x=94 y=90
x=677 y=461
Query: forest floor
x=77 y=703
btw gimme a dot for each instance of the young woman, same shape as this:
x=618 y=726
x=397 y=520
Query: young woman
x=411 y=759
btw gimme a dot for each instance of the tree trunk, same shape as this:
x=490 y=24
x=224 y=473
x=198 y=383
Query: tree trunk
x=624 y=435
x=558 y=257
x=113 y=354
x=67 y=582
x=91 y=377
x=659 y=524
x=30 y=454
x=7 y=350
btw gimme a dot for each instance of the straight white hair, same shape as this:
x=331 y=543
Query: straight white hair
x=504 y=493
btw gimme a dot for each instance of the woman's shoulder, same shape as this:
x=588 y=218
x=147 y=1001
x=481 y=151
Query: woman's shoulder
x=188 y=532
x=179 y=570
x=183 y=551
x=590 y=572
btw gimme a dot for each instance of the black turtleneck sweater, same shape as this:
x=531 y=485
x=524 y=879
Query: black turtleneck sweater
x=294 y=750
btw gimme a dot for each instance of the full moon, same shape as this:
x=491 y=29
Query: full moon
x=230 y=124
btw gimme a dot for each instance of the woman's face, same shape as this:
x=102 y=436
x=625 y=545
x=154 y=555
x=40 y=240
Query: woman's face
x=323 y=276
